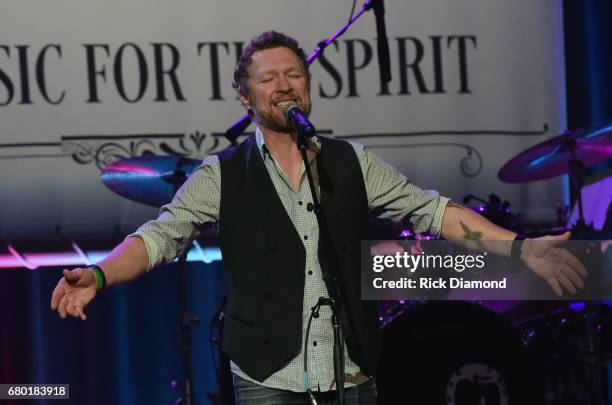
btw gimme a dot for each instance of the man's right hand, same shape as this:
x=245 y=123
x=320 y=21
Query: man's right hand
x=73 y=292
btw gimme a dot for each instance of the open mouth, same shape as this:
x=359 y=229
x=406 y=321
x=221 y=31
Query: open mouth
x=282 y=104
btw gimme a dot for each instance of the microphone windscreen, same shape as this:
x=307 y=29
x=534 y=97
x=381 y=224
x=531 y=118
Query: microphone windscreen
x=288 y=107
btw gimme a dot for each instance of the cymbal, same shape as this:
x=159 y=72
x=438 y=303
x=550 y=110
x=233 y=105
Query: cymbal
x=150 y=179
x=590 y=145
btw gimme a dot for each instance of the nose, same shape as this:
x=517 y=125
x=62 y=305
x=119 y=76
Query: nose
x=283 y=84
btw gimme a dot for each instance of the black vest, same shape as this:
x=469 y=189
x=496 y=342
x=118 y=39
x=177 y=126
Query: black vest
x=264 y=259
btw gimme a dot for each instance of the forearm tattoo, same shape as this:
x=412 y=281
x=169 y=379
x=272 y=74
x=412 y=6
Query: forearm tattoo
x=469 y=234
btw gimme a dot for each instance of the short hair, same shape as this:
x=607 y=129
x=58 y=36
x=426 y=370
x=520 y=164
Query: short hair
x=265 y=40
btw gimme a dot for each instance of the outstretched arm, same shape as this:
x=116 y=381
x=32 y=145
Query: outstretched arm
x=560 y=268
x=78 y=286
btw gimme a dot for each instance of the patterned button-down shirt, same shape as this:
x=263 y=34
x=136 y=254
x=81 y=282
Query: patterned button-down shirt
x=389 y=194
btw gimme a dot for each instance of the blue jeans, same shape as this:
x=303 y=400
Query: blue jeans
x=248 y=393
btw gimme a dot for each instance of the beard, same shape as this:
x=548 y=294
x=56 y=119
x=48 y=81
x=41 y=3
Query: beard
x=272 y=120
x=275 y=120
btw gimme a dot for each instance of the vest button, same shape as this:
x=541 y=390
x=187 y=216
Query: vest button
x=272 y=247
x=366 y=335
x=266 y=341
x=268 y=294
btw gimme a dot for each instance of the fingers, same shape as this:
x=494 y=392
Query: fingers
x=565 y=282
x=63 y=300
x=69 y=306
x=57 y=295
x=572 y=276
x=62 y=307
x=575 y=264
x=80 y=313
x=554 y=283
x=386 y=248
x=569 y=271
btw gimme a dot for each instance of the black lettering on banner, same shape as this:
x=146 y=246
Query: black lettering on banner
x=333 y=72
x=171 y=72
x=22 y=50
x=6 y=80
x=92 y=73
x=238 y=47
x=142 y=72
x=214 y=66
x=404 y=66
x=40 y=74
x=436 y=43
x=352 y=66
x=463 y=73
x=32 y=72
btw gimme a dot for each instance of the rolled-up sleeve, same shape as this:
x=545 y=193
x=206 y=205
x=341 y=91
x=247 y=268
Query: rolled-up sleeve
x=392 y=196
x=194 y=208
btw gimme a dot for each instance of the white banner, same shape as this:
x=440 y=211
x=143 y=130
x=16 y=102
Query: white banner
x=85 y=83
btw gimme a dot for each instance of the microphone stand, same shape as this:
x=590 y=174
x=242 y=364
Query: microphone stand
x=329 y=266
x=582 y=230
x=241 y=125
x=178 y=177
x=187 y=321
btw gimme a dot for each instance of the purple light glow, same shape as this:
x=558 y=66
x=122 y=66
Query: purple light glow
x=33 y=261
x=126 y=167
x=577 y=306
x=21 y=260
x=405 y=233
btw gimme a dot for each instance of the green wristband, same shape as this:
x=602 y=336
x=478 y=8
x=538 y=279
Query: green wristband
x=100 y=277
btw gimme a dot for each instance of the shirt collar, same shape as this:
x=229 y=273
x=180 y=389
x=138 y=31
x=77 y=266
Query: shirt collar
x=314 y=145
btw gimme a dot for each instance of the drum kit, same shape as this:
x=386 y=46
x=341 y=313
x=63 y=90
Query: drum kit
x=507 y=352
x=462 y=353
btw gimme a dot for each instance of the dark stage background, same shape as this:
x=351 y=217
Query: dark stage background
x=588 y=56
x=127 y=352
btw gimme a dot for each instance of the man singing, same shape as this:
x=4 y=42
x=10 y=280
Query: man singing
x=258 y=193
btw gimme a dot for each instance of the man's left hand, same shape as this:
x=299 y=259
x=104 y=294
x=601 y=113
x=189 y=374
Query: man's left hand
x=560 y=268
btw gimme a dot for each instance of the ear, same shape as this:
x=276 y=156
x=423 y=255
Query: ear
x=244 y=100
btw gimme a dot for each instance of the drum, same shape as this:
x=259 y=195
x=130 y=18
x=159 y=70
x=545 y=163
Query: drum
x=455 y=353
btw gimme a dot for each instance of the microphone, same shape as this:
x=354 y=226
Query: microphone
x=297 y=119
